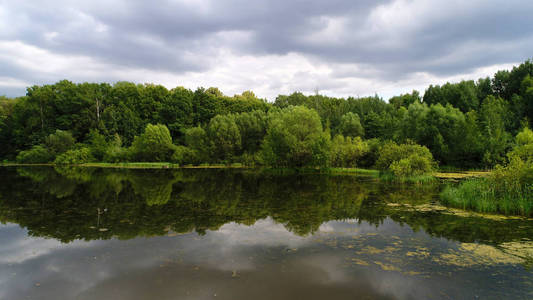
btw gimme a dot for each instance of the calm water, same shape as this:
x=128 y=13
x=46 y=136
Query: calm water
x=225 y=234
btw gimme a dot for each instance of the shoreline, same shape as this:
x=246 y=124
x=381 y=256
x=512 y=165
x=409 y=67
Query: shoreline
x=458 y=175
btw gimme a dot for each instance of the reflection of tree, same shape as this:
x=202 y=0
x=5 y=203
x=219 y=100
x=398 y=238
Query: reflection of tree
x=101 y=203
x=154 y=186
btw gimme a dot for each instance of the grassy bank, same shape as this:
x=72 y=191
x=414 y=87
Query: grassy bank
x=418 y=179
x=507 y=190
x=480 y=194
x=134 y=165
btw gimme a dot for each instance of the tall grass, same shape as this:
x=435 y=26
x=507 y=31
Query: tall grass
x=419 y=179
x=508 y=190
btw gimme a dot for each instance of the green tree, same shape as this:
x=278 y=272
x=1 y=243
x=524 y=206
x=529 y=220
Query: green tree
x=497 y=139
x=155 y=144
x=351 y=125
x=252 y=126
x=59 y=142
x=97 y=145
x=405 y=160
x=295 y=138
x=225 y=137
x=523 y=146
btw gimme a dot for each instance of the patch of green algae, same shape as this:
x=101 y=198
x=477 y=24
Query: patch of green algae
x=472 y=254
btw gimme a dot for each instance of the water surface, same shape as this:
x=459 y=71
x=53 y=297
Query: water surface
x=89 y=233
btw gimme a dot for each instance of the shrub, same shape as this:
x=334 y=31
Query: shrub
x=74 y=157
x=405 y=160
x=36 y=155
x=347 y=151
x=114 y=152
x=183 y=155
x=371 y=156
x=524 y=145
x=251 y=159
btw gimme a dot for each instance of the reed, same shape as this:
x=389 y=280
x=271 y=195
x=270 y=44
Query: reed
x=507 y=190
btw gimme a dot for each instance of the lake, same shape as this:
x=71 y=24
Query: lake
x=96 y=233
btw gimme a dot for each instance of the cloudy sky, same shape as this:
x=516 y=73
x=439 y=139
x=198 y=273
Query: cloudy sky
x=339 y=47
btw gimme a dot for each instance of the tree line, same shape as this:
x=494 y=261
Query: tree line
x=470 y=124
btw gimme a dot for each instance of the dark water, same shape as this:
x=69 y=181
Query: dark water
x=226 y=234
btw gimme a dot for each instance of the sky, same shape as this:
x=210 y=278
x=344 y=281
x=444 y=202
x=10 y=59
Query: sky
x=335 y=47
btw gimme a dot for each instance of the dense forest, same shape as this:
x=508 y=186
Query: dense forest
x=470 y=124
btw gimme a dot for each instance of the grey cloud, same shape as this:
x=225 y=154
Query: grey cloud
x=181 y=36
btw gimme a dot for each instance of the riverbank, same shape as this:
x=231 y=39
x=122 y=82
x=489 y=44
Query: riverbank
x=166 y=165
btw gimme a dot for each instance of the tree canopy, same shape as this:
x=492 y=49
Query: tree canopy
x=465 y=124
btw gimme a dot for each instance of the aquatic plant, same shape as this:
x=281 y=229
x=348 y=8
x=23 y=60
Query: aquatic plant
x=507 y=190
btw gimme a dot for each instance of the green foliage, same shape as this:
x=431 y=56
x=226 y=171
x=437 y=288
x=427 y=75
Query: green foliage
x=74 y=156
x=405 y=100
x=462 y=95
x=225 y=137
x=468 y=124
x=497 y=139
x=524 y=146
x=155 y=144
x=183 y=155
x=36 y=155
x=97 y=144
x=405 y=160
x=196 y=139
x=351 y=125
x=252 y=127
x=295 y=139
x=507 y=190
x=114 y=152
x=59 y=142
x=347 y=151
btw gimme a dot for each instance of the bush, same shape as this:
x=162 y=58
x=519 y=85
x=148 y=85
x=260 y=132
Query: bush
x=524 y=145
x=251 y=159
x=405 y=160
x=369 y=159
x=346 y=152
x=183 y=155
x=74 y=157
x=36 y=155
x=114 y=152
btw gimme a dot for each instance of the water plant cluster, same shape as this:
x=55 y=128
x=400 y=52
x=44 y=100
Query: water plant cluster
x=508 y=189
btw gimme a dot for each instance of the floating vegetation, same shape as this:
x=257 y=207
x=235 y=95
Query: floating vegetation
x=472 y=254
